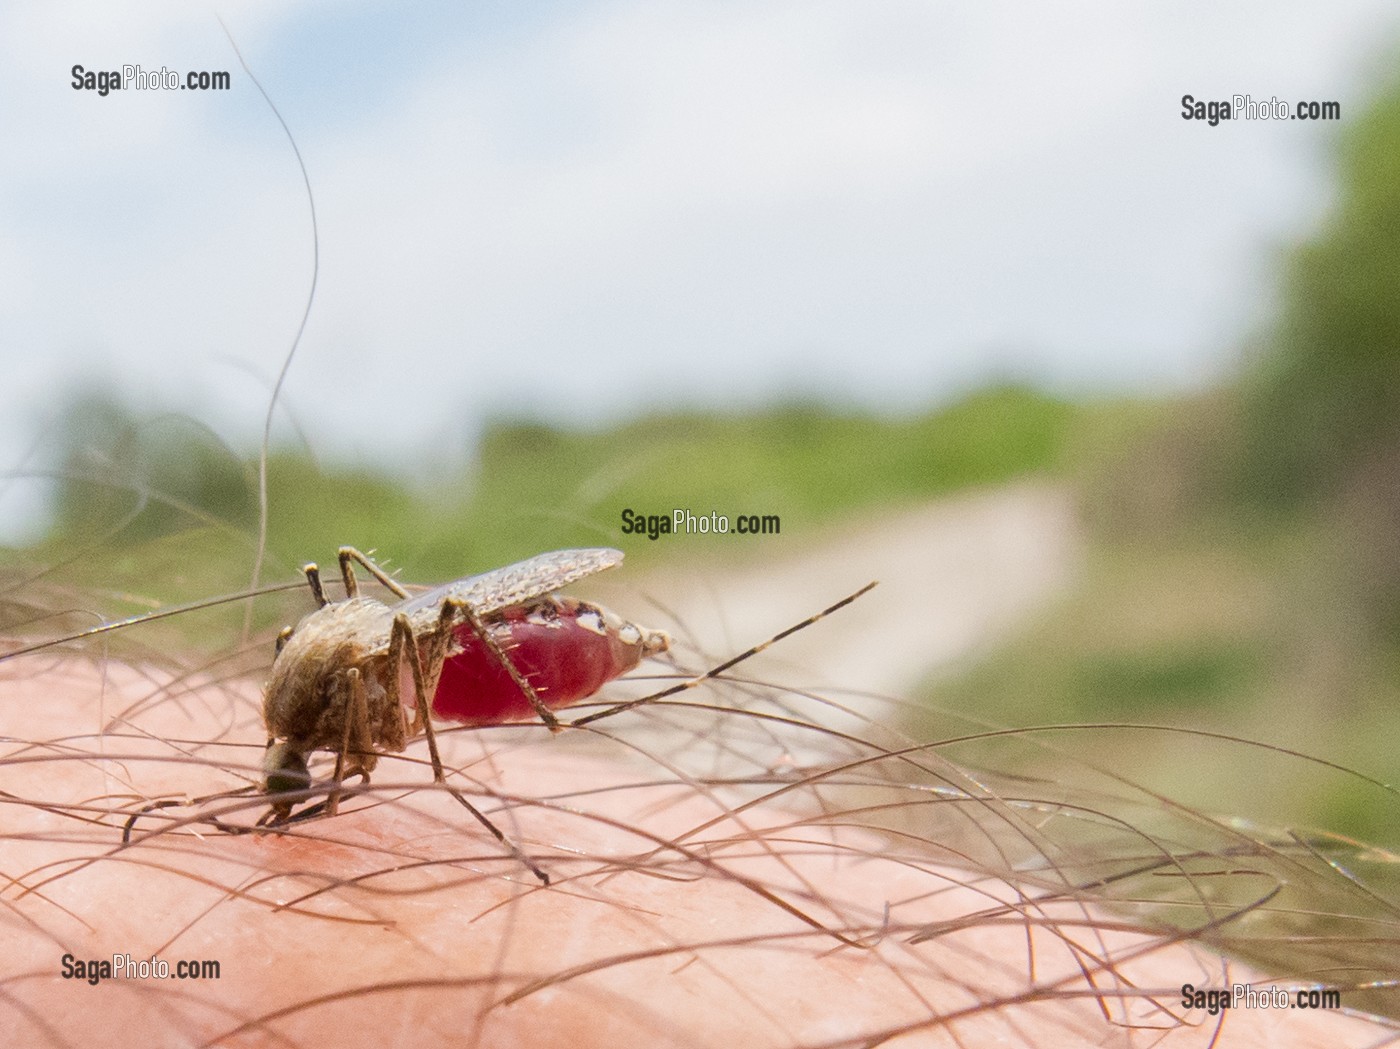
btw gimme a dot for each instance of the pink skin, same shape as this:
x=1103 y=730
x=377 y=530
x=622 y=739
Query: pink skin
x=401 y=923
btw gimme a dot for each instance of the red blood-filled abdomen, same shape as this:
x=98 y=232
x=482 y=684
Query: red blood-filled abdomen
x=566 y=649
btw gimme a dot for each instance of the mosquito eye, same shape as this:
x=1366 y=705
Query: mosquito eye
x=284 y=769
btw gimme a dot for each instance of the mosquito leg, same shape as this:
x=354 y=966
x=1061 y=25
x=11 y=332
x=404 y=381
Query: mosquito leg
x=348 y=554
x=727 y=665
x=168 y=803
x=356 y=734
x=483 y=635
x=439 y=640
x=130 y=825
x=403 y=645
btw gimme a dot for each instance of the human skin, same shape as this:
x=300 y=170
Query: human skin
x=674 y=918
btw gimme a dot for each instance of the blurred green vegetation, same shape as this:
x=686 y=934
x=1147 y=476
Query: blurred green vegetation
x=1320 y=406
x=1243 y=573
x=1320 y=413
x=160 y=498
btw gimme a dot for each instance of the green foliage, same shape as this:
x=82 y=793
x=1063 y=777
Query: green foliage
x=130 y=480
x=801 y=461
x=1244 y=575
x=1241 y=634
x=1142 y=682
x=537 y=487
x=313 y=510
x=1320 y=422
x=1322 y=404
x=136 y=478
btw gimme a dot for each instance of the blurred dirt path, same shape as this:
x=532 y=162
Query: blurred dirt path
x=953 y=575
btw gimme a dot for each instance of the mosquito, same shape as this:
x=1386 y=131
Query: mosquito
x=362 y=678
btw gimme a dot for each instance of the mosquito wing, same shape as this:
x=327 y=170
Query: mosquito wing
x=503 y=587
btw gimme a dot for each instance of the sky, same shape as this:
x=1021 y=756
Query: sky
x=581 y=212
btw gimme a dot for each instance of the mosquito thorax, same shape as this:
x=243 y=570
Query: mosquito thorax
x=309 y=671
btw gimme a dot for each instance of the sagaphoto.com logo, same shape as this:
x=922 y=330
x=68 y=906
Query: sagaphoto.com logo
x=134 y=78
x=683 y=521
x=1246 y=107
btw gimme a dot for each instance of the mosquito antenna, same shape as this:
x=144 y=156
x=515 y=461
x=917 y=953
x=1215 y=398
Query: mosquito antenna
x=728 y=664
x=296 y=341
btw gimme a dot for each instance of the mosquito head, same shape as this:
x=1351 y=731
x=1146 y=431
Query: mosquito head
x=284 y=769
